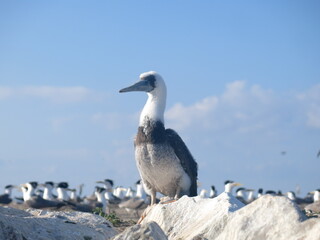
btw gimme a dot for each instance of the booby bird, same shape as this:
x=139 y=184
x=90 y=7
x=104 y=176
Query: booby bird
x=229 y=185
x=164 y=162
x=6 y=197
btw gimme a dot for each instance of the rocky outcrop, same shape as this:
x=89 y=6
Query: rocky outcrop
x=41 y=224
x=225 y=217
x=150 y=231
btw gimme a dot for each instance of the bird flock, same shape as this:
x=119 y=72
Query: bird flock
x=59 y=196
x=310 y=203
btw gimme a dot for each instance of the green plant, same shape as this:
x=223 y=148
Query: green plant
x=112 y=217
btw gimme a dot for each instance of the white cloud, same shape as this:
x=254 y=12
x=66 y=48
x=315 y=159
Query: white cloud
x=115 y=121
x=240 y=107
x=183 y=116
x=5 y=92
x=51 y=93
x=310 y=101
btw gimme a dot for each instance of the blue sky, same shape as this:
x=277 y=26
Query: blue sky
x=243 y=81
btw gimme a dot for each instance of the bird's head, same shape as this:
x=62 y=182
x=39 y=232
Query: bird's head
x=150 y=82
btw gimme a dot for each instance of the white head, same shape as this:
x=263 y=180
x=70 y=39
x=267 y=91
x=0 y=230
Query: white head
x=152 y=83
x=316 y=195
x=203 y=193
x=291 y=196
x=229 y=185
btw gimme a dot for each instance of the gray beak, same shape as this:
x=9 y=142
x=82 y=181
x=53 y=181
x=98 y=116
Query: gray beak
x=141 y=86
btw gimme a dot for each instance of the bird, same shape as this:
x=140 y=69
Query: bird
x=203 y=193
x=260 y=192
x=164 y=162
x=229 y=185
x=47 y=193
x=139 y=201
x=315 y=206
x=36 y=201
x=213 y=192
x=62 y=188
x=101 y=200
x=6 y=197
x=250 y=196
x=240 y=195
x=108 y=185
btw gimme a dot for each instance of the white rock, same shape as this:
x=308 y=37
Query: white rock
x=150 y=231
x=191 y=217
x=42 y=224
x=271 y=217
x=224 y=217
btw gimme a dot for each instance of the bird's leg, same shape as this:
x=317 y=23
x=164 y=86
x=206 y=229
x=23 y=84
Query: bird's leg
x=153 y=198
x=177 y=196
x=146 y=211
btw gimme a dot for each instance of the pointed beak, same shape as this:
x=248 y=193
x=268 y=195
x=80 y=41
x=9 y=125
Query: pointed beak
x=249 y=190
x=236 y=184
x=141 y=86
x=99 y=181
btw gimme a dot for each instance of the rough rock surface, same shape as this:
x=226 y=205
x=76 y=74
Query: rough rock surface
x=224 y=217
x=41 y=224
x=150 y=231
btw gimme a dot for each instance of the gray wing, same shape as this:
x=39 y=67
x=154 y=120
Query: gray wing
x=187 y=161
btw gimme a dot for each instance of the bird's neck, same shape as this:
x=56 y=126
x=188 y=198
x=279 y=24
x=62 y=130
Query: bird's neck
x=101 y=198
x=228 y=188
x=27 y=194
x=47 y=194
x=154 y=108
x=140 y=191
x=250 y=195
x=62 y=194
x=212 y=193
x=73 y=196
x=316 y=196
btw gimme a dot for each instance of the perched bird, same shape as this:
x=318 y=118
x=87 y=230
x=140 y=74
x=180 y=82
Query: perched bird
x=203 y=193
x=250 y=196
x=240 y=195
x=108 y=185
x=47 y=193
x=260 y=192
x=137 y=202
x=315 y=206
x=6 y=197
x=102 y=202
x=163 y=160
x=213 y=192
x=36 y=201
x=229 y=185
x=62 y=189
